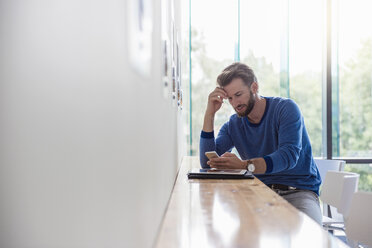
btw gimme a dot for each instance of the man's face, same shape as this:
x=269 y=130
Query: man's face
x=240 y=97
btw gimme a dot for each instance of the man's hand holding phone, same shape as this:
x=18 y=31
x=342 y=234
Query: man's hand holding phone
x=227 y=161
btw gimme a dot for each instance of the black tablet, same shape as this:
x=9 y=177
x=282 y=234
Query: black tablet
x=219 y=174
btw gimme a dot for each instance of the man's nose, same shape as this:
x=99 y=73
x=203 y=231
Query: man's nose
x=233 y=103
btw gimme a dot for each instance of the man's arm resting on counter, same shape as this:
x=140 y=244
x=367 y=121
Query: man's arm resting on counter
x=259 y=164
x=229 y=160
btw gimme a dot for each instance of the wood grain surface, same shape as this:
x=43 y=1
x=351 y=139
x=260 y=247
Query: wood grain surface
x=234 y=213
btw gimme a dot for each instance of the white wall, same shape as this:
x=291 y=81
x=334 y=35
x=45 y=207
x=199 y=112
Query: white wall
x=88 y=148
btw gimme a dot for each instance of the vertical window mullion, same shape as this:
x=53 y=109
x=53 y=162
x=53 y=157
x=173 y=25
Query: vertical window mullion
x=284 y=52
x=335 y=81
x=237 y=46
x=190 y=82
x=327 y=84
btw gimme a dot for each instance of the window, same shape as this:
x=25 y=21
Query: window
x=214 y=32
x=285 y=42
x=354 y=137
x=306 y=66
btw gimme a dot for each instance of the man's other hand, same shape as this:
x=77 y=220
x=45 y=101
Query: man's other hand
x=227 y=161
x=215 y=100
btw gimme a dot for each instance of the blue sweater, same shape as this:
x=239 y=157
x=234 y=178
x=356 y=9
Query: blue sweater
x=280 y=138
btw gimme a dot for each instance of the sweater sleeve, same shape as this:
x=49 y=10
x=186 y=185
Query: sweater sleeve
x=290 y=129
x=222 y=144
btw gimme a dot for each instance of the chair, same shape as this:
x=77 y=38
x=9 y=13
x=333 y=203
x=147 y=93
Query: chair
x=358 y=224
x=337 y=191
x=325 y=165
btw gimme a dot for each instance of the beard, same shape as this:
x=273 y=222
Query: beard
x=249 y=106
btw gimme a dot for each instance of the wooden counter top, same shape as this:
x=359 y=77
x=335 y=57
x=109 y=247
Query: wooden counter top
x=234 y=213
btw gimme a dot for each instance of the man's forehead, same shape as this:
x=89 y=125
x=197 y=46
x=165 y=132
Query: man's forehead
x=232 y=91
x=234 y=88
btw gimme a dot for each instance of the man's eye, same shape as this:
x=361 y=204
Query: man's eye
x=238 y=95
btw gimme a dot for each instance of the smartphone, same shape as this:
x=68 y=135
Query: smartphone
x=211 y=154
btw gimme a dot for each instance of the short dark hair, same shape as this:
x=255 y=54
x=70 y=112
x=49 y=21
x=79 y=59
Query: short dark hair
x=236 y=70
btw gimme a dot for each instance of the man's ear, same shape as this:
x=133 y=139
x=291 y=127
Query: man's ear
x=254 y=87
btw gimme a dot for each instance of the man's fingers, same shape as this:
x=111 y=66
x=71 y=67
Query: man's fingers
x=218 y=163
x=217 y=166
x=219 y=92
x=228 y=154
x=219 y=160
x=216 y=98
x=216 y=95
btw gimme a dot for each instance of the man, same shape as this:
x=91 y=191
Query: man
x=268 y=132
